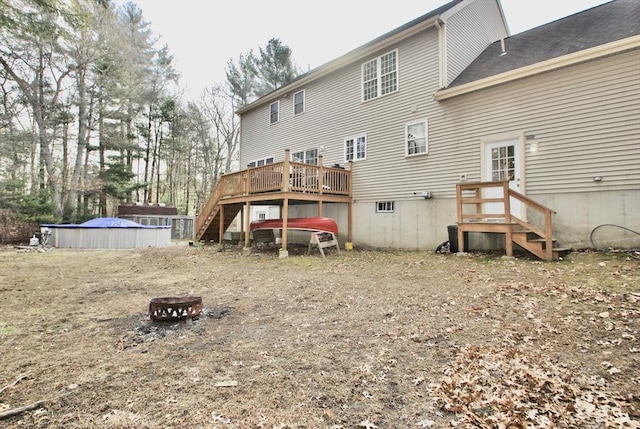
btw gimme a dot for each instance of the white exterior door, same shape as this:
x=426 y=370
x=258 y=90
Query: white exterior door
x=503 y=161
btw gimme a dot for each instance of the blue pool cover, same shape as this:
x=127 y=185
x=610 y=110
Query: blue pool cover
x=106 y=222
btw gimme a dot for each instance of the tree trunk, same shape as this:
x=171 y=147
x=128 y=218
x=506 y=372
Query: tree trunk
x=84 y=115
x=101 y=150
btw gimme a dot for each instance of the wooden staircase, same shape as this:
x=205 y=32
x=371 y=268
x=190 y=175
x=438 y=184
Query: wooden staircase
x=537 y=245
x=207 y=226
x=534 y=237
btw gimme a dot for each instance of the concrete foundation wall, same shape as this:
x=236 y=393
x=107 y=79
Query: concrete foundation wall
x=421 y=224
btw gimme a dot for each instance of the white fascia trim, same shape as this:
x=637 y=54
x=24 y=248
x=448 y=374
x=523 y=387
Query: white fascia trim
x=544 y=66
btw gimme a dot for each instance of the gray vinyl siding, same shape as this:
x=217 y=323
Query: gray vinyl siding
x=469 y=32
x=334 y=111
x=585 y=118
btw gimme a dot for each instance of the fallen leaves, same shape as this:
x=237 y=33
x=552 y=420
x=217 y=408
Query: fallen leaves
x=508 y=387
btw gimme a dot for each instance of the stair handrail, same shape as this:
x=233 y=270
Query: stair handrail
x=202 y=219
x=546 y=232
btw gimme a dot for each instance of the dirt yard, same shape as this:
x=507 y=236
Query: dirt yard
x=360 y=339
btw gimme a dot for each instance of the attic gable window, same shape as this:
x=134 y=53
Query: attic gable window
x=355 y=148
x=380 y=76
x=416 y=140
x=274 y=112
x=298 y=102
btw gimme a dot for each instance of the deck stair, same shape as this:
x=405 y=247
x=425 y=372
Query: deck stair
x=537 y=245
x=207 y=228
x=533 y=236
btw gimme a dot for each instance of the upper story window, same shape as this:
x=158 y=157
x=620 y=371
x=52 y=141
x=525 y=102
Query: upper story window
x=309 y=156
x=380 y=76
x=416 y=140
x=262 y=161
x=274 y=112
x=355 y=148
x=298 y=102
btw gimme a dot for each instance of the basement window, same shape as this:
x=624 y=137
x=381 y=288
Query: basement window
x=385 y=206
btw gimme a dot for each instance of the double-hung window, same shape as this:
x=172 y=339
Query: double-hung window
x=262 y=161
x=355 y=148
x=380 y=76
x=309 y=156
x=416 y=137
x=298 y=102
x=274 y=112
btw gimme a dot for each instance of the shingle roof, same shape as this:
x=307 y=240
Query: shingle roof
x=597 y=26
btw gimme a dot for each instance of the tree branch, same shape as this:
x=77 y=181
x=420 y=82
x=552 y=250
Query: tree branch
x=21 y=377
x=20 y=410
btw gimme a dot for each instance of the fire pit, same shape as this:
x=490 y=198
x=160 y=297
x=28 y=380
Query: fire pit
x=175 y=308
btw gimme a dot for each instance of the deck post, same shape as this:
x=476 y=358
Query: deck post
x=320 y=183
x=548 y=235
x=460 y=237
x=221 y=226
x=507 y=218
x=285 y=216
x=247 y=232
x=349 y=244
x=320 y=176
x=286 y=171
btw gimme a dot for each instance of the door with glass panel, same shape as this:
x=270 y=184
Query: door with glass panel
x=502 y=161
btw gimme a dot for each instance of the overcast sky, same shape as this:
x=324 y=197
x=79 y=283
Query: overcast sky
x=204 y=35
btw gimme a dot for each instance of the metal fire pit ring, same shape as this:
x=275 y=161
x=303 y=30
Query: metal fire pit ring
x=175 y=308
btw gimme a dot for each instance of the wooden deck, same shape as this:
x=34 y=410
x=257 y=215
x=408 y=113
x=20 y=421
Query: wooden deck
x=281 y=183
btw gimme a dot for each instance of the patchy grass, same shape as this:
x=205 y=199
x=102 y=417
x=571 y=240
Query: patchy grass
x=359 y=339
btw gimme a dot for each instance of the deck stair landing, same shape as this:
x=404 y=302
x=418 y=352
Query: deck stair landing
x=534 y=237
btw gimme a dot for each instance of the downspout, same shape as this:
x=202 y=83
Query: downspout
x=442 y=55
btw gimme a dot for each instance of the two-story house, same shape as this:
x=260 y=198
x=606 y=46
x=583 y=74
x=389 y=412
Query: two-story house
x=450 y=120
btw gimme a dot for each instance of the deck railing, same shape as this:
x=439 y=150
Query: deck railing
x=472 y=200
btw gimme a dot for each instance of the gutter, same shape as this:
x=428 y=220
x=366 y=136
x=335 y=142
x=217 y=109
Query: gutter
x=611 y=48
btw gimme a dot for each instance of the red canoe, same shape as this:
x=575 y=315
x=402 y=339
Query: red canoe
x=324 y=224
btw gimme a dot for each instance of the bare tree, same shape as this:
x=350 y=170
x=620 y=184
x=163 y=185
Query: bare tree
x=34 y=58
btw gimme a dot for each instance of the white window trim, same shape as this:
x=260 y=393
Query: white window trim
x=277 y=103
x=304 y=102
x=265 y=159
x=355 y=151
x=406 y=137
x=392 y=204
x=379 y=76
